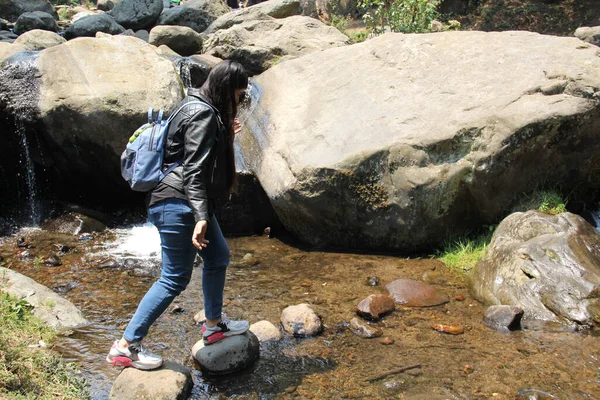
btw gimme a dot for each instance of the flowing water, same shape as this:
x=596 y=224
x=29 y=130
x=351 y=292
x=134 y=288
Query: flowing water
x=107 y=276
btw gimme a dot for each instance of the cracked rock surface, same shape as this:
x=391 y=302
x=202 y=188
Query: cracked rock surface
x=397 y=142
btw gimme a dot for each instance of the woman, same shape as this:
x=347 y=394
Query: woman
x=182 y=208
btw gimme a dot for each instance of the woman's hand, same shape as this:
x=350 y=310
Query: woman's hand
x=237 y=127
x=198 y=236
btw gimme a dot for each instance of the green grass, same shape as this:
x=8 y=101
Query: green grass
x=461 y=255
x=32 y=372
x=546 y=201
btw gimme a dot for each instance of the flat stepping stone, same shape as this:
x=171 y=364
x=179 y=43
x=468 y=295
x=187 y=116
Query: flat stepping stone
x=172 y=381
x=411 y=293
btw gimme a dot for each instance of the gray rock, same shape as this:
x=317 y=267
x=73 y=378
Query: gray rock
x=362 y=329
x=4 y=25
x=98 y=92
x=547 y=265
x=397 y=142
x=589 y=34
x=260 y=43
x=106 y=5
x=265 y=331
x=229 y=355
x=181 y=39
x=12 y=9
x=233 y=18
x=143 y=34
x=73 y=224
x=279 y=8
x=196 y=19
x=411 y=293
x=49 y=307
x=503 y=318
x=301 y=320
x=214 y=8
x=39 y=39
x=137 y=14
x=7 y=36
x=35 y=20
x=90 y=25
x=170 y=382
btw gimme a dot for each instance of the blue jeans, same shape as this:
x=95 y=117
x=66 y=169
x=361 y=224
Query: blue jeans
x=175 y=222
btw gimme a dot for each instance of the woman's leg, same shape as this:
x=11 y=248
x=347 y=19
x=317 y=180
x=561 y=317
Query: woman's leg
x=216 y=259
x=175 y=222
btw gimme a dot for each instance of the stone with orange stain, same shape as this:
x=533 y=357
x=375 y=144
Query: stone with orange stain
x=415 y=293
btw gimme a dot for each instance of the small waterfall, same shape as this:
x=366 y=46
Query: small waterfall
x=19 y=93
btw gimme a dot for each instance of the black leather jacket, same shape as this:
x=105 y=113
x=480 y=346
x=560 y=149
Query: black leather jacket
x=198 y=137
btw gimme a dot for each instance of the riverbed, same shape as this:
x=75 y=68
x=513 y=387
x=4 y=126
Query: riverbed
x=268 y=274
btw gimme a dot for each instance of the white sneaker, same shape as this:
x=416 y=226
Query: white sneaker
x=223 y=329
x=135 y=356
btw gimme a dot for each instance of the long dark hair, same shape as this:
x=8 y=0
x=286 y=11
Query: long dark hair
x=219 y=89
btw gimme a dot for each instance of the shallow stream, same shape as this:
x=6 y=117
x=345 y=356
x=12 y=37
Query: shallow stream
x=107 y=276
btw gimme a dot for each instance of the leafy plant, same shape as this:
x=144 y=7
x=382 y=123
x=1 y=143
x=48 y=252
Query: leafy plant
x=359 y=36
x=552 y=203
x=406 y=16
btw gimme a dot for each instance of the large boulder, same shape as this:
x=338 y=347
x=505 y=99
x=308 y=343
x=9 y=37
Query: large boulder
x=589 y=34
x=170 y=382
x=279 y=8
x=12 y=9
x=38 y=39
x=137 y=14
x=181 y=39
x=194 y=18
x=84 y=109
x=261 y=42
x=397 y=142
x=35 y=20
x=92 y=24
x=214 y=8
x=230 y=19
x=547 y=265
x=49 y=307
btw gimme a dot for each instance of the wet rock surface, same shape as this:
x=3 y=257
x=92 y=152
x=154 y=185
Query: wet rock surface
x=229 y=355
x=74 y=224
x=375 y=306
x=412 y=293
x=170 y=382
x=547 y=265
x=301 y=320
x=503 y=318
x=337 y=362
x=362 y=329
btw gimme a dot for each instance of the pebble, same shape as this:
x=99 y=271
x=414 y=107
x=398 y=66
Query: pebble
x=267 y=231
x=364 y=330
x=176 y=309
x=468 y=369
x=200 y=317
x=85 y=236
x=248 y=257
x=452 y=330
x=373 y=281
x=460 y=297
x=306 y=284
x=386 y=340
x=52 y=261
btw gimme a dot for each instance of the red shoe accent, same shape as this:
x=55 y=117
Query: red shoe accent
x=214 y=338
x=121 y=362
